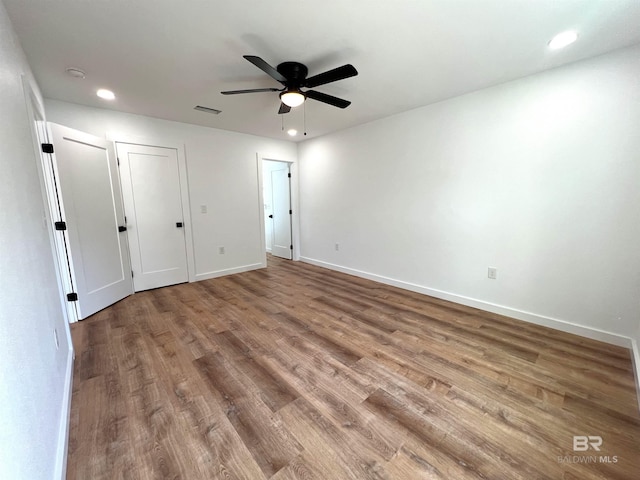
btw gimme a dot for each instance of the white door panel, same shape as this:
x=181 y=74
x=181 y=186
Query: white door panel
x=153 y=205
x=281 y=191
x=91 y=205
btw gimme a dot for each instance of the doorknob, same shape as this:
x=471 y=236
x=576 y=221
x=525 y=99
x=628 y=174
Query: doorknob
x=122 y=229
x=270 y=216
x=179 y=224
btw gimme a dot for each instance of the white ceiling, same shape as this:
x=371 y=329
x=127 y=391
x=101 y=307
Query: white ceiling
x=163 y=57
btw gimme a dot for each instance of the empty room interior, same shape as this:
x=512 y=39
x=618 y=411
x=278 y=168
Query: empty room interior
x=340 y=240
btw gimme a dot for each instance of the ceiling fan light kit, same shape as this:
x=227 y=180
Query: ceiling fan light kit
x=292 y=98
x=293 y=76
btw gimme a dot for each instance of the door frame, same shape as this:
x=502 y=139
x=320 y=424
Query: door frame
x=295 y=216
x=37 y=125
x=46 y=172
x=179 y=147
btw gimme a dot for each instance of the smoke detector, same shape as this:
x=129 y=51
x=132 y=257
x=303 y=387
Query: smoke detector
x=75 y=72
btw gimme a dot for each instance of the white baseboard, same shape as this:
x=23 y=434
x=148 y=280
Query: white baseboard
x=228 y=271
x=65 y=417
x=588 y=332
x=635 y=356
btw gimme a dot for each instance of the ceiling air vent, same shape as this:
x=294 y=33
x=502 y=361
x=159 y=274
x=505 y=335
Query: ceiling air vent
x=207 y=110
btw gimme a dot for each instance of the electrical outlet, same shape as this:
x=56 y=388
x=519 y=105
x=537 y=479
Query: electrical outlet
x=203 y=209
x=492 y=273
x=221 y=250
x=337 y=246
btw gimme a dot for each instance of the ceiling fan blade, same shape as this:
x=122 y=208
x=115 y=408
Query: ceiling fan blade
x=334 y=75
x=324 y=98
x=254 y=90
x=266 y=68
x=284 y=109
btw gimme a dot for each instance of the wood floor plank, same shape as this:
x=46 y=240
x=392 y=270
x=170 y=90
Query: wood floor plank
x=270 y=444
x=340 y=405
x=408 y=464
x=332 y=452
x=298 y=327
x=297 y=372
x=273 y=389
x=455 y=423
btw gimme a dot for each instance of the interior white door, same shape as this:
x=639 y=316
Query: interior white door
x=281 y=204
x=88 y=186
x=155 y=220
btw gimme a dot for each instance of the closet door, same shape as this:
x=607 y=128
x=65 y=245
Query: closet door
x=155 y=220
x=92 y=218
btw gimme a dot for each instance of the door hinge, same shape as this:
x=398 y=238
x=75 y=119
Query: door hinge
x=60 y=226
x=118 y=159
x=131 y=273
x=72 y=297
x=290 y=212
x=47 y=147
x=289 y=175
x=290 y=247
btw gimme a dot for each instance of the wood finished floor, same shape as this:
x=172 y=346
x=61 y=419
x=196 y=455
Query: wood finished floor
x=296 y=372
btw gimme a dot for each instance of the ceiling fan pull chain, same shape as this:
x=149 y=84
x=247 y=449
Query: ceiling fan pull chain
x=304 y=118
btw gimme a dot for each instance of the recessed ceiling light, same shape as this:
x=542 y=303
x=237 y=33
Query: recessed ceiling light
x=106 y=94
x=292 y=131
x=563 y=39
x=75 y=72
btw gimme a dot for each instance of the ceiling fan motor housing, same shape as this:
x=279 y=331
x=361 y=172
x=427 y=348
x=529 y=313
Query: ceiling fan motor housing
x=294 y=72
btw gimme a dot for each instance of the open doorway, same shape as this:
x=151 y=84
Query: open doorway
x=276 y=191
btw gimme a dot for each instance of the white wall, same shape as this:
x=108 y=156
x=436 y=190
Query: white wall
x=33 y=373
x=537 y=177
x=222 y=173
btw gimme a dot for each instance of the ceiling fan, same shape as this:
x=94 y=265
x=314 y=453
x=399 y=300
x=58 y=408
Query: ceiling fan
x=293 y=76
